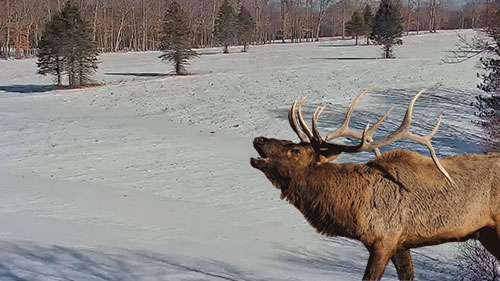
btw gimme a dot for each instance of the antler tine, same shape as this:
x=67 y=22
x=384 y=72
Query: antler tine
x=407 y=120
x=316 y=115
x=434 y=131
x=344 y=130
x=301 y=120
x=295 y=126
x=374 y=127
x=427 y=141
x=399 y=133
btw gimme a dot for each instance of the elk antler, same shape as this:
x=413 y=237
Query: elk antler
x=293 y=123
x=305 y=134
x=302 y=130
x=344 y=130
x=402 y=132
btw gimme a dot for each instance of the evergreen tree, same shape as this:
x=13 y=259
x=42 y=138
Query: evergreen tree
x=355 y=26
x=50 y=60
x=489 y=106
x=367 y=21
x=246 y=27
x=79 y=49
x=67 y=46
x=225 y=26
x=176 y=42
x=387 y=26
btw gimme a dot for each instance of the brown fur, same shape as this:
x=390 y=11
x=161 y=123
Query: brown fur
x=394 y=203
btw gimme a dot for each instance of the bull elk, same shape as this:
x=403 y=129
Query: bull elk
x=399 y=201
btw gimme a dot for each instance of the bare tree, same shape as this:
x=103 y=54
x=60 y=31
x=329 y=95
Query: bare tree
x=418 y=16
x=323 y=8
x=409 y=8
x=432 y=15
x=8 y=26
x=119 y=25
x=468 y=48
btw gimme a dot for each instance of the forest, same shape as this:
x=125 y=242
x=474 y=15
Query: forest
x=135 y=25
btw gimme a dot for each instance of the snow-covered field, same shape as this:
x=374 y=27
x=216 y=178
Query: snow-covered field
x=148 y=176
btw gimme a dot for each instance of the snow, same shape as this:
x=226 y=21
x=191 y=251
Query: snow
x=148 y=176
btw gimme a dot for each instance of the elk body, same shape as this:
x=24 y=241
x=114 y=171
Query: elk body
x=400 y=200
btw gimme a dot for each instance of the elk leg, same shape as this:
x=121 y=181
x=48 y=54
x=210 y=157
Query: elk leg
x=379 y=257
x=403 y=263
x=491 y=241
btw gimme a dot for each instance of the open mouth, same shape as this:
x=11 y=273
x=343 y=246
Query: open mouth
x=259 y=162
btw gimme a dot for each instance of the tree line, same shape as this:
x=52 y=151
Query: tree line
x=121 y=25
x=68 y=50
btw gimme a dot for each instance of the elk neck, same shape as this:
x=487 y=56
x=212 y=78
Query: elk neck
x=329 y=196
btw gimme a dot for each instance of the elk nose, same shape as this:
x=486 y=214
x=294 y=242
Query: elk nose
x=260 y=140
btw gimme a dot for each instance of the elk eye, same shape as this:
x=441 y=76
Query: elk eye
x=296 y=152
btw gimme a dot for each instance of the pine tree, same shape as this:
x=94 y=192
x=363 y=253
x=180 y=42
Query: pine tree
x=489 y=106
x=225 y=26
x=355 y=26
x=176 y=42
x=387 y=26
x=367 y=21
x=50 y=60
x=67 y=47
x=79 y=48
x=246 y=27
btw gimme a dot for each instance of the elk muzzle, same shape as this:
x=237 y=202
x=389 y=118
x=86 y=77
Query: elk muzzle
x=260 y=144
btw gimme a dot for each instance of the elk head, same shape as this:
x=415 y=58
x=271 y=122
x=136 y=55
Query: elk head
x=281 y=159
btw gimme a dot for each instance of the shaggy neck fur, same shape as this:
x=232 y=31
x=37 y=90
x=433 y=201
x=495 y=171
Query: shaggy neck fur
x=315 y=191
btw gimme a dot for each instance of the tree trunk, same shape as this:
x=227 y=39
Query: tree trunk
x=58 y=70
x=119 y=34
x=144 y=28
x=70 y=77
x=432 y=16
x=94 y=32
x=356 y=40
x=343 y=20
x=333 y=25
x=178 y=68
x=80 y=75
x=408 y=20
x=318 y=29
x=418 y=16
x=487 y=13
x=283 y=20
x=214 y=15
x=7 y=39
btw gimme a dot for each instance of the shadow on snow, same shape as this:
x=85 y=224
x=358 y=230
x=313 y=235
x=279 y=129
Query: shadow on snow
x=342 y=45
x=139 y=74
x=349 y=258
x=23 y=261
x=27 y=89
x=340 y=58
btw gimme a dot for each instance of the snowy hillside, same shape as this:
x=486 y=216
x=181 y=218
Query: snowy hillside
x=148 y=176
